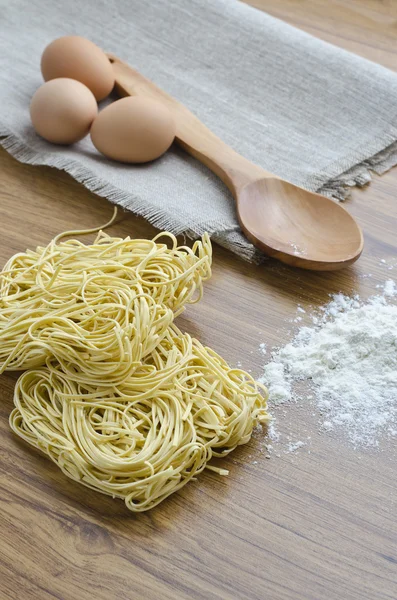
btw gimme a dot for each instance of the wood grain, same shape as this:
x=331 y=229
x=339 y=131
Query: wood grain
x=299 y=527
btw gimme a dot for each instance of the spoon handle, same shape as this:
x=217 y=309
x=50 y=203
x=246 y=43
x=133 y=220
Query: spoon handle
x=194 y=137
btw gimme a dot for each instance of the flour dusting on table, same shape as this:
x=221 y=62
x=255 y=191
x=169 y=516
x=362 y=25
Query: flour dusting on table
x=348 y=359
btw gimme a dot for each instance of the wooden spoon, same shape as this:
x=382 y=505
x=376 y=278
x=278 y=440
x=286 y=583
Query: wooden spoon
x=298 y=227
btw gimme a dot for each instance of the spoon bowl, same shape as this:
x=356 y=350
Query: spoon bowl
x=298 y=227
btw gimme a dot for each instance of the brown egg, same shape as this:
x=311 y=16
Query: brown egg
x=77 y=58
x=133 y=130
x=62 y=111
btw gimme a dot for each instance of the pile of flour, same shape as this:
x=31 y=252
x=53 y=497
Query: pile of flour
x=348 y=359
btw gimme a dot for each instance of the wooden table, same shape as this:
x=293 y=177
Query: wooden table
x=318 y=525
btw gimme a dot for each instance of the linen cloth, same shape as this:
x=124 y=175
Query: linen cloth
x=305 y=110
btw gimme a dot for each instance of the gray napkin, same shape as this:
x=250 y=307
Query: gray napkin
x=311 y=113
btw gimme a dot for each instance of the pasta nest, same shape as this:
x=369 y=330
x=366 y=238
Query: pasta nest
x=98 y=309
x=146 y=438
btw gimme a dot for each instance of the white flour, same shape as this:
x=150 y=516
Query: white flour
x=349 y=359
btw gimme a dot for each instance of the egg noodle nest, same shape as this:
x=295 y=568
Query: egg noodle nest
x=112 y=391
